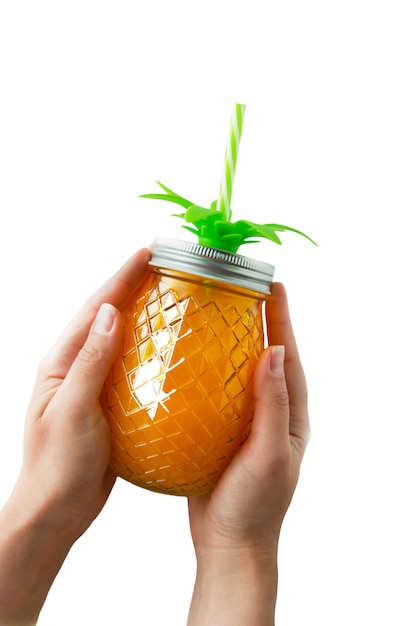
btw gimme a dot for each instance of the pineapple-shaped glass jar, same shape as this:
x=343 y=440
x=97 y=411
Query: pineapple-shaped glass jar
x=179 y=398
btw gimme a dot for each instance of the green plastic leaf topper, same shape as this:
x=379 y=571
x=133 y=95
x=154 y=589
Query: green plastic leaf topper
x=213 y=226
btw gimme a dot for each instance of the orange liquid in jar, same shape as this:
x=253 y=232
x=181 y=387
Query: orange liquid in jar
x=179 y=398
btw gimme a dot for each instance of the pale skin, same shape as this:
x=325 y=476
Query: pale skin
x=65 y=478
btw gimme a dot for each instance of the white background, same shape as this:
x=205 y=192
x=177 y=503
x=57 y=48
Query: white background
x=99 y=99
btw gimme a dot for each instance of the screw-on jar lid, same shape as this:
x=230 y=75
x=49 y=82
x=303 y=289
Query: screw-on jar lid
x=195 y=259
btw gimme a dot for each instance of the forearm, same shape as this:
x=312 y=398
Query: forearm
x=31 y=554
x=235 y=589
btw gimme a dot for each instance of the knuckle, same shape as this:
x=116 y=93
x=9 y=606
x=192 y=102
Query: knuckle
x=283 y=459
x=90 y=353
x=46 y=368
x=280 y=465
x=43 y=368
x=281 y=399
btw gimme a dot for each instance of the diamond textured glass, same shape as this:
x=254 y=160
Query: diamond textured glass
x=179 y=398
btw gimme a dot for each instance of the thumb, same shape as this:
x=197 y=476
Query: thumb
x=271 y=422
x=85 y=378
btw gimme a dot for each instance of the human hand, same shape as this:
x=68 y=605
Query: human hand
x=65 y=478
x=66 y=442
x=235 y=529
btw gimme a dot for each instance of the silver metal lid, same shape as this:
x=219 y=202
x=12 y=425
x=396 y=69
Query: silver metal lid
x=198 y=260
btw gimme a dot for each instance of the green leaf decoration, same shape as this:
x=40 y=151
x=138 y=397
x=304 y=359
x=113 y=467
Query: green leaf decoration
x=196 y=213
x=168 y=197
x=213 y=226
x=214 y=231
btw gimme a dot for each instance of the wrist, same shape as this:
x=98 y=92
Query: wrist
x=32 y=551
x=235 y=586
x=24 y=514
x=64 y=513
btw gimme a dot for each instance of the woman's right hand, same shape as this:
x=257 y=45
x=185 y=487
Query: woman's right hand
x=235 y=529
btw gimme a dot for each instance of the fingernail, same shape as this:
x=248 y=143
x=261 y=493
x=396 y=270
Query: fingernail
x=104 y=319
x=277 y=360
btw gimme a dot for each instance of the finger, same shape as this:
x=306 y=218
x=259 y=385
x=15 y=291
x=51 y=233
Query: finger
x=280 y=332
x=81 y=389
x=270 y=433
x=115 y=291
x=121 y=285
x=279 y=327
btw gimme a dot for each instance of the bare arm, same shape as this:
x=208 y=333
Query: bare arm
x=236 y=528
x=65 y=479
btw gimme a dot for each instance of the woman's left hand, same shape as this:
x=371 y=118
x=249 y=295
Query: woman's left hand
x=65 y=478
x=66 y=443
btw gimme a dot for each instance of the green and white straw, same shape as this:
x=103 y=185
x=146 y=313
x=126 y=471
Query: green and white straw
x=213 y=226
x=230 y=160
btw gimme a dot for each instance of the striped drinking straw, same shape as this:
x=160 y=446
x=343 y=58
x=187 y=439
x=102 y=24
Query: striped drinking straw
x=232 y=149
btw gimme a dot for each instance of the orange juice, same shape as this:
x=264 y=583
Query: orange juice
x=179 y=397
